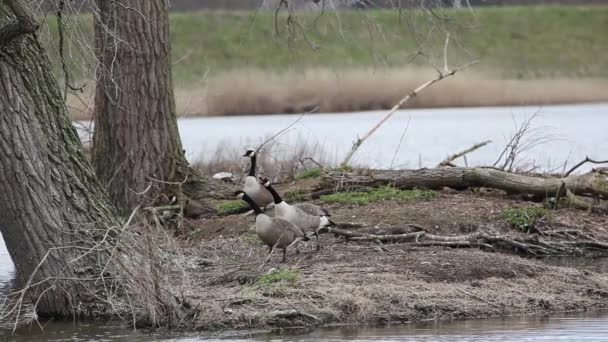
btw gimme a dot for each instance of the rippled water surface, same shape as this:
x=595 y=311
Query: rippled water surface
x=583 y=327
x=571 y=132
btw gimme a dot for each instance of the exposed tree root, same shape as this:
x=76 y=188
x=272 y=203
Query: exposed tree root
x=565 y=242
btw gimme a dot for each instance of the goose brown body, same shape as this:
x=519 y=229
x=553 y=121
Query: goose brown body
x=274 y=232
x=312 y=221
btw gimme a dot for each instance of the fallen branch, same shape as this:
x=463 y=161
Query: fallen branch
x=592 y=184
x=530 y=245
x=448 y=161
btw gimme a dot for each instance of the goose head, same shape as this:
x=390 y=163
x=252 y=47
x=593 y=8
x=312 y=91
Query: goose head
x=250 y=153
x=265 y=182
x=240 y=194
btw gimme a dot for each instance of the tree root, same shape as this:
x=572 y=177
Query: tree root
x=565 y=242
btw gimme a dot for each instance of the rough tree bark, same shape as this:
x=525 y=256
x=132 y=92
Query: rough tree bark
x=50 y=198
x=593 y=184
x=136 y=141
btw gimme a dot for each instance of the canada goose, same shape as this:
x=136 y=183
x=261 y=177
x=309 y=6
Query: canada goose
x=309 y=218
x=189 y=208
x=252 y=187
x=274 y=232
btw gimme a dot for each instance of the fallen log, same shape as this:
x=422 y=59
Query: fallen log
x=593 y=184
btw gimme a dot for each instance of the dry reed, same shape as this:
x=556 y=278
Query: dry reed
x=241 y=92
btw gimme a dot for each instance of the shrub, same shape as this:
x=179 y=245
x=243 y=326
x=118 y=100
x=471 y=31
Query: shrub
x=524 y=218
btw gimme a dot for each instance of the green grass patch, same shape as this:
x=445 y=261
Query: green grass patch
x=230 y=207
x=380 y=194
x=511 y=41
x=284 y=275
x=310 y=173
x=524 y=218
x=296 y=195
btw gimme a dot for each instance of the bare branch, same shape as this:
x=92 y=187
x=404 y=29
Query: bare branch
x=448 y=161
x=404 y=100
x=586 y=160
x=285 y=129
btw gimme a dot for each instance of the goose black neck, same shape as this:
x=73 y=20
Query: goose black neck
x=252 y=169
x=252 y=204
x=275 y=195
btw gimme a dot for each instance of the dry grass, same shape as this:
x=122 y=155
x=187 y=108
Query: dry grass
x=349 y=283
x=277 y=161
x=243 y=92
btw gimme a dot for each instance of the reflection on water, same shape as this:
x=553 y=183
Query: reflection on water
x=564 y=328
x=582 y=327
x=7 y=270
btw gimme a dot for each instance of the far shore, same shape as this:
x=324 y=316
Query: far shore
x=257 y=93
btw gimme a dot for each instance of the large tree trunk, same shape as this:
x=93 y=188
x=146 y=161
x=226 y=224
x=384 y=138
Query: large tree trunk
x=52 y=206
x=136 y=141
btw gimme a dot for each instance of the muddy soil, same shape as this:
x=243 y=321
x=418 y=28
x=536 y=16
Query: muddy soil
x=363 y=282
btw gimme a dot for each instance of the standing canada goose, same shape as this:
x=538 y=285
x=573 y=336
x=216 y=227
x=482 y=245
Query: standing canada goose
x=274 y=232
x=309 y=218
x=252 y=188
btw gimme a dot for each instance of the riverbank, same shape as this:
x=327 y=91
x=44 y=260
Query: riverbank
x=353 y=282
x=250 y=92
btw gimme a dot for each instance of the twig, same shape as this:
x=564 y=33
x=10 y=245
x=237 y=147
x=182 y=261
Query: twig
x=407 y=126
x=401 y=102
x=285 y=129
x=448 y=161
x=478 y=298
x=586 y=160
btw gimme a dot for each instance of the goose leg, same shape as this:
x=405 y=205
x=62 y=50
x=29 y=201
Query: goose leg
x=270 y=248
x=317 y=236
x=284 y=252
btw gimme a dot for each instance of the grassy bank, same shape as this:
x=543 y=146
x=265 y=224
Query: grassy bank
x=351 y=282
x=512 y=42
x=234 y=62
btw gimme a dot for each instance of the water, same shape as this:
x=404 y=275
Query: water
x=573 y=131
x=581 y=327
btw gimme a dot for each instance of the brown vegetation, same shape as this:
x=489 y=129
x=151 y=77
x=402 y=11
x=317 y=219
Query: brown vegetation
x=243 y=92
x=350 y=282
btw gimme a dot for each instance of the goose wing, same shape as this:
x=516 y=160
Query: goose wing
x=312 y=209
x=282 y=225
